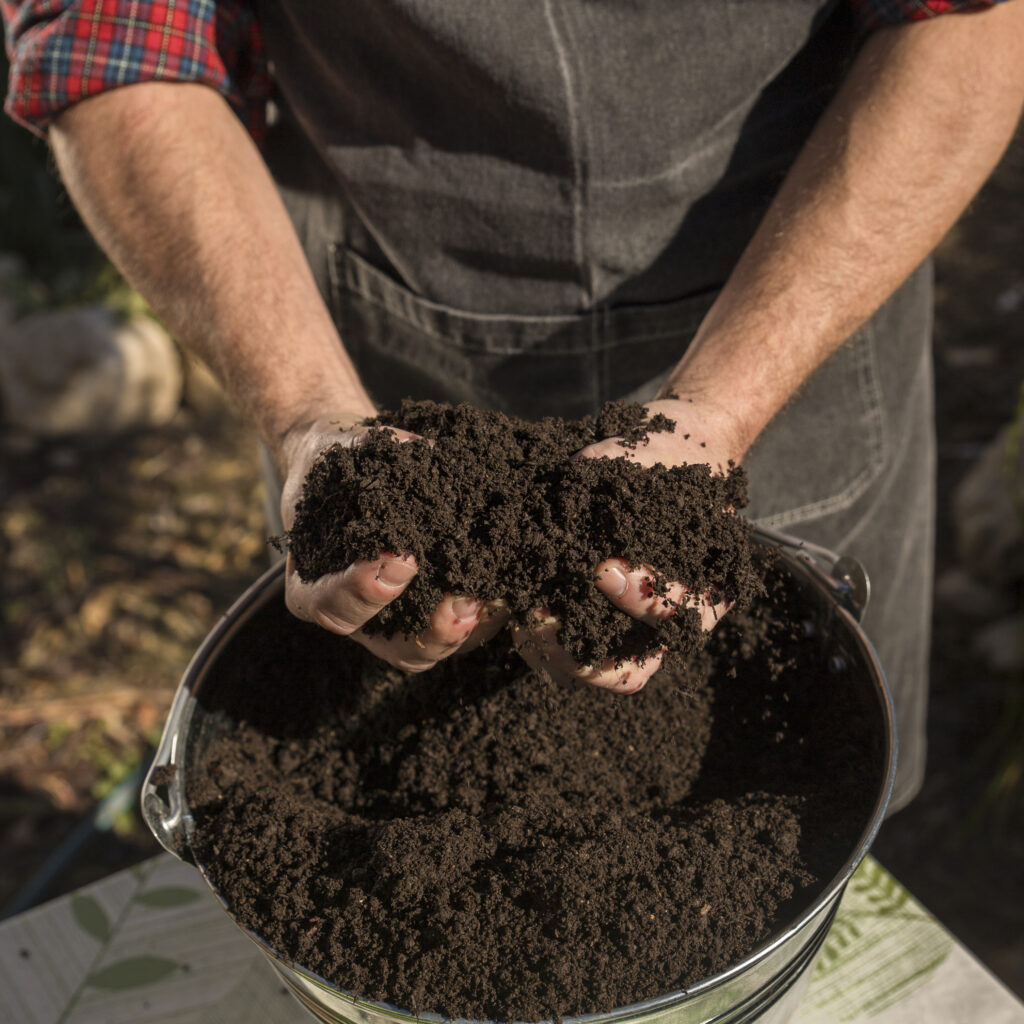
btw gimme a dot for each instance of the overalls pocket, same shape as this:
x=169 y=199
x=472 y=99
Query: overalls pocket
x=821 y=453
x=547 y=365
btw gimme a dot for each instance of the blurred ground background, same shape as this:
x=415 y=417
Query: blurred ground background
x=118 y=554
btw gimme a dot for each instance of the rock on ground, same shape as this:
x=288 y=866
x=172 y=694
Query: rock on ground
x=87 y=371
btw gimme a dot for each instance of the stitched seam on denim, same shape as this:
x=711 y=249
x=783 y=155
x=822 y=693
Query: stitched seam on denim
x=364 y=279
x=333 y=259
x=572 y=109
x=466 y=344
x=360 y=279
x=897 y=456
x=595 y=371
x=357 y=278
x=870 y=391
x=490 y=348
x=337 y=286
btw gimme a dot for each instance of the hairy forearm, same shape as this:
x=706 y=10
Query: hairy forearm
x=917 y=127
x=176 y=193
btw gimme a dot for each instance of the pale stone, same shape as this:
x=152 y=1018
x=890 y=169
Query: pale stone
x=87 y=371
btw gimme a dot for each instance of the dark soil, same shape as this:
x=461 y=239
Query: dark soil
x=497 y=507
x=482 y=843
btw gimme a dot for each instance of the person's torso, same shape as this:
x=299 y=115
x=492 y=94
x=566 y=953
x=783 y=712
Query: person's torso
x=556 y=156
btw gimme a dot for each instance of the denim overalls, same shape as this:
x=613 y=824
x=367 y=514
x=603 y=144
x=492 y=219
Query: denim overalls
x=531 y=204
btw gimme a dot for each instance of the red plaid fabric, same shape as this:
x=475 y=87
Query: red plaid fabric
x=65 y=50
x=872 y=14
x=876 y=13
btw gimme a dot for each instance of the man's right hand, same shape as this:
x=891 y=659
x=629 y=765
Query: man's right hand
x=167 y=179
x=344 y=602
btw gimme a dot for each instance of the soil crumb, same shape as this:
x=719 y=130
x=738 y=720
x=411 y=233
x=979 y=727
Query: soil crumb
x=497 y=508
x=481 y=843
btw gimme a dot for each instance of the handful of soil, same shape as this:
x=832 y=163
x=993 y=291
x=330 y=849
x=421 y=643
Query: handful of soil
x=496 y=507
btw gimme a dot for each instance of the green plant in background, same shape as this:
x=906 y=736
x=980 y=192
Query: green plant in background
x=1006 y=747
x=57 y=734
x=112 y=762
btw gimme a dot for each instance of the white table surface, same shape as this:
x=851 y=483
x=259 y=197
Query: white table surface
x=151 y=944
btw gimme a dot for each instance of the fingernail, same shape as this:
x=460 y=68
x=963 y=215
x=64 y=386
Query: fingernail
x=395 y=574
x=615 y=582
x=465 y=608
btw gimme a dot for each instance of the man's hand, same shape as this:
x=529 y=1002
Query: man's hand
x=860 y=208
x=174 y=209
x=630 y=588
x=700 y=437
x=344 y=602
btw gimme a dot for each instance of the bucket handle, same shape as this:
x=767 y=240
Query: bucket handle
x=163 y=788
x=164 y=806
x=845 y=576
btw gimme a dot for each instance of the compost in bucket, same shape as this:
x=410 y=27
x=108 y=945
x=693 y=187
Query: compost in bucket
x=480 y=843
x=485 y=845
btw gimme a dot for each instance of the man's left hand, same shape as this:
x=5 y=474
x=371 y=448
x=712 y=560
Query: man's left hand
x=630 y=588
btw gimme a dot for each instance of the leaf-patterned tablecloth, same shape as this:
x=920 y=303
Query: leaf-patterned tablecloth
x=152 y=945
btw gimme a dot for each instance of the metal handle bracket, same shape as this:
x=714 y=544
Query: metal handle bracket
x=847 y=577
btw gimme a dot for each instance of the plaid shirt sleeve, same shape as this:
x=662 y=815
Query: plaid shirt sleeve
x=872 y=14
x=63 y=51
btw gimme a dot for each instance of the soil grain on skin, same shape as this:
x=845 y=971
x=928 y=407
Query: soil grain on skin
x=479 y=842
x=497 y=508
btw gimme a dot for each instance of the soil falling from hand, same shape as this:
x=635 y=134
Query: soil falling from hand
x=478 y=841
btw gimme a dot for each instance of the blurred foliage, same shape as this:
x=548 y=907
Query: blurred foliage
x=1004 y=792
x=116 y=554
x=37 y=220
x=93 y=283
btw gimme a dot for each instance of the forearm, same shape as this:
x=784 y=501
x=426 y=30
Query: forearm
x=177 y=194
x=917 y=127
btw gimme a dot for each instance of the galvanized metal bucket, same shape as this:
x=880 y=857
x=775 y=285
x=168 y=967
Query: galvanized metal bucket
x=767 y=986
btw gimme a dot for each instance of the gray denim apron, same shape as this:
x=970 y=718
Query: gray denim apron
x=531 y=205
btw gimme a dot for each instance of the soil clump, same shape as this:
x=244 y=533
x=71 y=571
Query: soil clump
x=497 y=508
x=479 y=842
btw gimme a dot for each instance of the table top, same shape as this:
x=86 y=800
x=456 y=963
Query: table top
x=151 y=944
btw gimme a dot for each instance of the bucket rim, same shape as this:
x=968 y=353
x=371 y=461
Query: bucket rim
x=166 y=811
